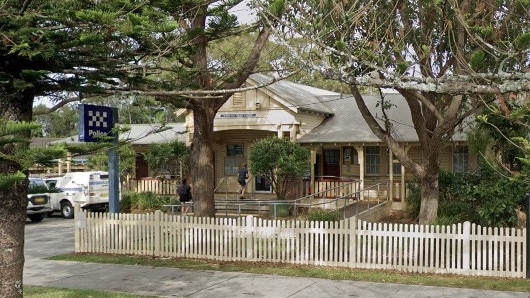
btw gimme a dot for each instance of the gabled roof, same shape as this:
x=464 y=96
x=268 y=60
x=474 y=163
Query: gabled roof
x=348 y=126
x=143 y=134
x=296 y=96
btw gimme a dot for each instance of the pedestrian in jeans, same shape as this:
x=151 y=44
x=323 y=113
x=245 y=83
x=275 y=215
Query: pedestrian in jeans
x=184 y=192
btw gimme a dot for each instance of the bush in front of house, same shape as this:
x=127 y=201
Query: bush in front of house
x=144 y=202
x=318 y=214
x=485 y=198
x=282 y=162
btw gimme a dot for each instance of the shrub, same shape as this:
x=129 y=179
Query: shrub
x=281 y=162
x=413 y=199
x=318 y=214
x=485 y=198
x=126 y=202
x=145 y=201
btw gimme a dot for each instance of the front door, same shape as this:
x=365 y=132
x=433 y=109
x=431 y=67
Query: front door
x=331 y=163
x=141 y=167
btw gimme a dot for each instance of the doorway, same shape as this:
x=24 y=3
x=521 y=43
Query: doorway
x=331 y=163
x=262 y=185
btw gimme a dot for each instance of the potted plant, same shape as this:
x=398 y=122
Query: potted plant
x=283 y=163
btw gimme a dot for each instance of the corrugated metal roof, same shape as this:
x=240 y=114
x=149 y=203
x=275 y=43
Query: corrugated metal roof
x=348 y=126
x=300 y=96
x=144 y=134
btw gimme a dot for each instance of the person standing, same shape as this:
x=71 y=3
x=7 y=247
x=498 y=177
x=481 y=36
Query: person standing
x=242 y=176
x=184 y=192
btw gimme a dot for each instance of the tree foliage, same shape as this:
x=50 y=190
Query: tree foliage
x=12 y=133
x=169 y=158
x=445 y=58
x=281 y=162
x=62 y=50
x=497 y=137
x=485 y=198
x=126 y=157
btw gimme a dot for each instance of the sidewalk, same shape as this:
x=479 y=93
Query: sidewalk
x=171 y=282
x=168 y=282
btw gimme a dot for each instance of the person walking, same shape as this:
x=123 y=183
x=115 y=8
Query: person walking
x=184 y=192
x=242 y=176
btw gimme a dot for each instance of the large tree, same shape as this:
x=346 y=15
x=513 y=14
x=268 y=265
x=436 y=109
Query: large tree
x=444 y=57
x=71 y=50
x=194 y=79
x=61 y=50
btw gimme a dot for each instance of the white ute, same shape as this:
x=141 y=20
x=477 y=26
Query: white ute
x=88 y=189
x=38 y=200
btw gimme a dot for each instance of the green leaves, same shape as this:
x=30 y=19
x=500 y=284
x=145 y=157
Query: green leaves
x=477 y=60
x=522 y=42
x=280 y=161
x=168 y=158
x=15 y=151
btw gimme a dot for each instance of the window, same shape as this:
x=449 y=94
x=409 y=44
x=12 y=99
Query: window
x=332 y=157
x=372 y=164
x=460 y=159
x=396 y=166
x=350 y=155
x=234 y=157
x=234 y=150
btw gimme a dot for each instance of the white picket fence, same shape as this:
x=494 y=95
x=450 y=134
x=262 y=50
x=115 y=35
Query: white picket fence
x=465 y=249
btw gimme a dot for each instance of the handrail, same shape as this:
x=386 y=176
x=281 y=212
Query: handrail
x=338 y=200
x=219 y=185
x=345 y=197
x=225 y=181
x=342 y=195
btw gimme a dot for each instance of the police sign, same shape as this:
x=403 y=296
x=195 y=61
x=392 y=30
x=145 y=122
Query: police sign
x=95 y=122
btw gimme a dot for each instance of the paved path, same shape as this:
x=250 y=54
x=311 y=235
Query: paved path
x=54 y=236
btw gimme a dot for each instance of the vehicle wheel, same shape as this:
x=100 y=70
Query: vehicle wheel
x=36 y=217
x=66 y=210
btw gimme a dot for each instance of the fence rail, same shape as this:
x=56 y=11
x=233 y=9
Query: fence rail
x=465 y=249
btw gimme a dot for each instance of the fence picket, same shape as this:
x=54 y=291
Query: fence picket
x=465 y=249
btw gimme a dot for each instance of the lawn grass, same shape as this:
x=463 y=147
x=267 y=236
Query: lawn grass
x=45 y=292
x=336 y=273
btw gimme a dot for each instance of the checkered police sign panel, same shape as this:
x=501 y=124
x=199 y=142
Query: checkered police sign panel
x=95 y=122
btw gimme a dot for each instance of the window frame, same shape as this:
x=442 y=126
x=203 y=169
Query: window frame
x=460 y=158
x=235 y=155
x=372 y=161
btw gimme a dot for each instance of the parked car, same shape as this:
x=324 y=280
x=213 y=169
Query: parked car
x=88 y=189
x=39 y=204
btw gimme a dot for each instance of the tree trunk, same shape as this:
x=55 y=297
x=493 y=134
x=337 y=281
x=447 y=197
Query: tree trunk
x=202 y=160
x=12 y=223
x=14 y=106
x=429 y=199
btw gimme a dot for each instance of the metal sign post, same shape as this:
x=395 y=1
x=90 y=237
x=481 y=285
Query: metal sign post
x=96 y=123
x=527 y=207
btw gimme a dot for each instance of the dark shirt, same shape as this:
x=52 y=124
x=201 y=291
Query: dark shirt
x=184 y=192
x=242 y=174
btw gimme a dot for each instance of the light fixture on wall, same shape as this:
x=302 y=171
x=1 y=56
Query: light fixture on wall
x=258 y=106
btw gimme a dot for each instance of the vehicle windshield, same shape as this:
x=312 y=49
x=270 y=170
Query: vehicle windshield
x=37 y=184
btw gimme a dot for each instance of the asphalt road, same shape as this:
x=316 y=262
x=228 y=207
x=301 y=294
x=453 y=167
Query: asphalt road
x=50 y=237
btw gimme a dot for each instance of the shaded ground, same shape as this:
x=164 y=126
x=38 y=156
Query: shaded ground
x=403 y=218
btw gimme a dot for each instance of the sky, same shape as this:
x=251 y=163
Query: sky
x=243 y=12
